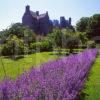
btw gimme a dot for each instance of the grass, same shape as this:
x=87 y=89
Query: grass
x=14 y=68
x=93 y=85
x=98 y=46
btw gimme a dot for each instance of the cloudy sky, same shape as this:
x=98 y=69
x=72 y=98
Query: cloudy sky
x=11 y=11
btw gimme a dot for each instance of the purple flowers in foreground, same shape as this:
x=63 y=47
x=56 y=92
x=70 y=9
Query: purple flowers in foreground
x=56 y=80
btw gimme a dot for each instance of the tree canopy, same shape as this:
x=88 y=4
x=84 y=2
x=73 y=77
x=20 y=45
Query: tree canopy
x=94 y=25
x=20 y=31
x=82 y=24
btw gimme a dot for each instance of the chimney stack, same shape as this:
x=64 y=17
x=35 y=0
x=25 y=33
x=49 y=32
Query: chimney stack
x=46 y=12
x=37 y=13
x=70 y=20
x=27 y=8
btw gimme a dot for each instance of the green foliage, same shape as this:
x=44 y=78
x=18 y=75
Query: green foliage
x=21 y=31
x=83 y=37
x=94 y=26
x=56 y=37
x=4 y=35
x=91 y=44
x=16 y=29
x=13 y=46
x=82 y=24
x=91 y=26
x=29 y=36
x=68 y=32
x=65 y=38
x=41 y=46
x=71 y=39
x=71 y=43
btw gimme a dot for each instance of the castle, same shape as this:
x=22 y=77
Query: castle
x=41 y=23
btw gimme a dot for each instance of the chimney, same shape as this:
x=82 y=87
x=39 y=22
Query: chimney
x=46 y=12
x=27 y=8
x=37 y=13
x=70 y=20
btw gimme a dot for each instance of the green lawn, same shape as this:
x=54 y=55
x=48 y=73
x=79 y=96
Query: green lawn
x=15 y=68
x=93 y=85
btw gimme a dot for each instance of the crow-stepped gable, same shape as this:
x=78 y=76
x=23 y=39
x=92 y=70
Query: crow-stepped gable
x=40 y=23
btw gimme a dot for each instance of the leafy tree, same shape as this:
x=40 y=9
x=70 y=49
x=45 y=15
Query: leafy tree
x=71 y=39
x=16 y=29
x=71 y=43
x=82 y=24
x=65 y=38
x=91 y=44
x=29 y=36
x=94 y=26
x=21 y=31
x=4 y=35
x=83 y=37
x=41 y=46
x=13 y=46
x=56 y=37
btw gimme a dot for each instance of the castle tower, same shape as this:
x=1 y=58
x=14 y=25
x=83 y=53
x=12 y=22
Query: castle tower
x=46 y=12
x=37 y=13
x=63 y=23
x=70 y=20
x=27 y=8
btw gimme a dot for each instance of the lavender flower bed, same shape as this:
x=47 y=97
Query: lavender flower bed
x=56 y=80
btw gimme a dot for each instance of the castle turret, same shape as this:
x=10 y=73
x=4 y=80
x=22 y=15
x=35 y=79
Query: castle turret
x=37 y=13
x=46 y=12
x=27 y=8
x=70 y=21
x=63 y=22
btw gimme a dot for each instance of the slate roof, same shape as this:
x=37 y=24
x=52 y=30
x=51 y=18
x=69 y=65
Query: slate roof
x=33 y=14
x=36 y=16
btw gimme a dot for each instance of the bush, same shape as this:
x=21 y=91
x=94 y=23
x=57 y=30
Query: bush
x=41 y=46
x=84 y=46
x=91 y=44
x=72 y=43
x=21 y=31
x=13 y=46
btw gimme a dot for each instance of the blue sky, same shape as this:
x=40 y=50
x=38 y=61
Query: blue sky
x=11 y=11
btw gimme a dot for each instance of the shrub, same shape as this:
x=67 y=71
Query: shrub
x=84 y=46
x=41 y=46
x=13 y=46
x=91 y=44
x=71 y=43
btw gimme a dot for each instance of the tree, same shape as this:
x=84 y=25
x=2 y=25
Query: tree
x=56 y=37
x=17 y=29
x=42 y=46
x=65 y=38
x=94 y=26
x=21 y=31
x=13 y=46
x=83 y=37
x=82 y=24
x=3 y=35
x=71 y=43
